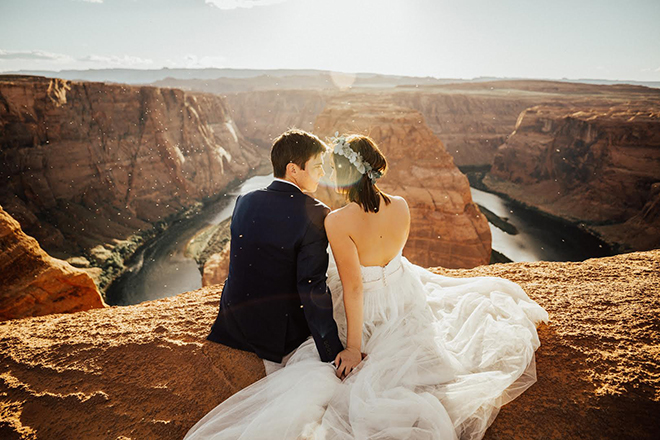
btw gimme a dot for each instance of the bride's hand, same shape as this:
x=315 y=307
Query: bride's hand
x=346 y=360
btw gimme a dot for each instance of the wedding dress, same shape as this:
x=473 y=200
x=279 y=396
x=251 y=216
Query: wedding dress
x=443 y=355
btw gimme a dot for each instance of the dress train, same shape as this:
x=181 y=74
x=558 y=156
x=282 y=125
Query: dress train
x=443 y=355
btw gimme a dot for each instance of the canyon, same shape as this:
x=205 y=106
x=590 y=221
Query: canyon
x=472 y=119
x=608 y=179
x=96 y=170
x=92 y=171
x=87 y=166
x=146 y=371
x=471 y=123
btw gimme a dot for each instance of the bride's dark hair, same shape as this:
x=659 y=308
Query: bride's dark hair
x=358 y=187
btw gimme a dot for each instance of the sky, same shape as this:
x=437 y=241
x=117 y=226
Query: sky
x=597 y=39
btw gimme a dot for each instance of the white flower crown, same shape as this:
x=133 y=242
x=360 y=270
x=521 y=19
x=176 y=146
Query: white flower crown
x=343 y=149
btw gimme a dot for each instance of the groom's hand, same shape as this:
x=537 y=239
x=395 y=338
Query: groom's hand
x=347 y=360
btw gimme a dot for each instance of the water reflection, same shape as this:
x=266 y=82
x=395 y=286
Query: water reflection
x=539 y=237
x=247 y=186
x=162 y=269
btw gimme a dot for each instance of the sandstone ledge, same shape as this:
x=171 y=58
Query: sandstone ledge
x=32 y=283
x=145 y=371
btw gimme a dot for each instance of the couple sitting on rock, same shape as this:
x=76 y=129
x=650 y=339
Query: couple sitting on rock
x=361 y=343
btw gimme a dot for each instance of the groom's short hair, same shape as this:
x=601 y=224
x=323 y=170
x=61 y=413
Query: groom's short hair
x=294 y=146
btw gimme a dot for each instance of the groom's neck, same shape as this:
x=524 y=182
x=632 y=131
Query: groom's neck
x=286 y=180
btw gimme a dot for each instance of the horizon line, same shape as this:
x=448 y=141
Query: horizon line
x=24 y=72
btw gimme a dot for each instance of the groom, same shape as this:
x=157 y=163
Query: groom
x=276 y=294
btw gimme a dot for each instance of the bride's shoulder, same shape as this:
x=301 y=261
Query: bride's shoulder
x=398 y=202
x=342 y=217
x=342 y=213
x=397 y=199
x=336 y=222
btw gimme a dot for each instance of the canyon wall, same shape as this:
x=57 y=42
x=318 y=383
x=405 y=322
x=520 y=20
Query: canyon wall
x=33 y=283
x=263 y=116
x=88 y=164
x=447 y=228
x=473 y=119
x=597 y=164
x=471 y=126
x=146 y=371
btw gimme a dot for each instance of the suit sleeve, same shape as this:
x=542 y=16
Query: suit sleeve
x=315 y=296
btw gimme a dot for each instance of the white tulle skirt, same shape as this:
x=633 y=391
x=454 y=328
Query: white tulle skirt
x=443 y=355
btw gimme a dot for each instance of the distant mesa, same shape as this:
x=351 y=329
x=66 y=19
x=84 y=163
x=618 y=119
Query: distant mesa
x=150 y=76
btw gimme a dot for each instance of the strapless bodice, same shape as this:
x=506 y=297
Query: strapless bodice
x=379 y=276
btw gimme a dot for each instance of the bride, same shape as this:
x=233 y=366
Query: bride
x=442 y=354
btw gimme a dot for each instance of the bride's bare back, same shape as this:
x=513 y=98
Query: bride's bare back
x=359 y=238
x=378 y=237
x=366 y=232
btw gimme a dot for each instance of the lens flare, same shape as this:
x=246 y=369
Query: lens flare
x=335 y=178
x=343 y=81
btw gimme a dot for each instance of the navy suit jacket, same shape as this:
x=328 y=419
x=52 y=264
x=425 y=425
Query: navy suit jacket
x=275 y=294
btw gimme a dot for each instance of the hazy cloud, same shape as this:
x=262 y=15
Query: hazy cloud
x=115 y=60
x=191 y=61
x=235 y=4
x=32 y=55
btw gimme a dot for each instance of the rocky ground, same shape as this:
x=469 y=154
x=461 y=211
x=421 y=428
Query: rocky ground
x=146 y=371
x=210 y=249
x=598 y=366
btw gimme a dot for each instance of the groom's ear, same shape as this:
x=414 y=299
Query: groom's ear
x=292 y=169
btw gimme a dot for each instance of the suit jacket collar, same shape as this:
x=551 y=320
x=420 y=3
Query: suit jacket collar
x=283 y=187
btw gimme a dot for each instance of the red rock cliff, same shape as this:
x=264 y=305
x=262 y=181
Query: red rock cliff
x=595 y=164
x=473 y=119
x=447 y=228
x=33 y=283
x=89 y=163
x=471 y=126
x=262 y=116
